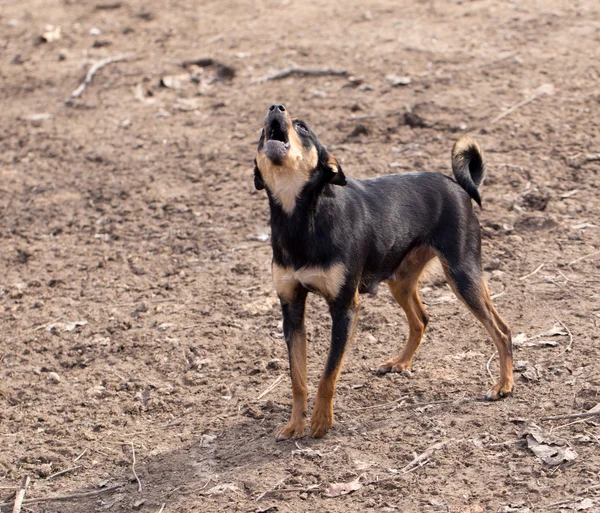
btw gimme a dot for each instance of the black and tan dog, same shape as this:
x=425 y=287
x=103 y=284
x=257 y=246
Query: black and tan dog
x=339 y=238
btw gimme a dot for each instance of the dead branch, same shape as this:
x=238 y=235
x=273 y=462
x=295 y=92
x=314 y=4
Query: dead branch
x=570 y=344
x=573 y=416
x=67 y=497
x=80 y=456
x=489 y=362
x=540 y=91
x=98 y=65
x=374 y=406
x=21 y=495
x=537 y=269
x=271 y=387
x=133 y=468
x=56 y=474
x=417 y=462
x=584 y=256
x=425 y=455
x=303 y=72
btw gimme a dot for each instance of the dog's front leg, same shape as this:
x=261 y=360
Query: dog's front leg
x=295 y=338
x=344 y=315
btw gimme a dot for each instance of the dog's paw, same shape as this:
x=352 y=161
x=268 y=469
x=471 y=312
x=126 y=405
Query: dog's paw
x=321 y=421
x=500 y=391
x=394 y=365
x=291 y=430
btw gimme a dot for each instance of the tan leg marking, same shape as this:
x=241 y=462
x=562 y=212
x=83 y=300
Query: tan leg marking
x=295 y=427
x=405 y=291
x=322 y=417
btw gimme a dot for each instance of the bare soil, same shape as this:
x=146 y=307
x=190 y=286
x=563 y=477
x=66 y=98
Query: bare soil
x=135 y=298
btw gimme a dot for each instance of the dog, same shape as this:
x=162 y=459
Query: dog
x=340 y=237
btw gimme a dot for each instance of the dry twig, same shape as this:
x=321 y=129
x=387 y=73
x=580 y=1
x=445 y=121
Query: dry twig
x=573 y=416
x=67 y=497
x=570 y=344
x=133 y=468
x=584 y=256
x=487 y=366
x=538 y=269
x=315 y=72
x=92 y=71
x=540 y=91
x=425 y=455
x=374 y=406
x=271 y=387
x=20 y=495
x=56 y=474
x=80 y=456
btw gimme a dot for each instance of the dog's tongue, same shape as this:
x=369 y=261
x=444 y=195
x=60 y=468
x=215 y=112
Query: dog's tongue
x=276 y=151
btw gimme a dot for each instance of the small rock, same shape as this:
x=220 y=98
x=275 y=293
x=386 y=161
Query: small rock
x=397 y=80
x=53 y=378
x=138 y=504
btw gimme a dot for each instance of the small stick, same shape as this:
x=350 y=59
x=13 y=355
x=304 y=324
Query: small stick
x=570 y=344
x=540 y=91
x=248 y=246
x=539 y=267
x=487 y=366
x=315 y=72
x=80 y=456
x=582 y=257
x=133 y=468
x=56 y=474
x=425 y=455
x=98 y=65
x=48 y=324
x=68 y=497
x=21 y=495
x=271 y=387
x=162 y=508
x=418 y=462
x=573 y=416
x=373 y=407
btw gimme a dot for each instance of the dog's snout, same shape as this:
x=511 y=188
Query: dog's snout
x=277 y=107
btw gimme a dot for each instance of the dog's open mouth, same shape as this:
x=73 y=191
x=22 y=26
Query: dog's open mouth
x=278 y=144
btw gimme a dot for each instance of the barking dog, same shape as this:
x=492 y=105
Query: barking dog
x=340 y=238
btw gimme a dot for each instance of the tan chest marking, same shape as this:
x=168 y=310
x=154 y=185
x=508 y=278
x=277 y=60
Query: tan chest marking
x=327 y=282
x=286 y=181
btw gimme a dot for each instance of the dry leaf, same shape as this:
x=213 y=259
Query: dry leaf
x=550 y=449
x=337 y=489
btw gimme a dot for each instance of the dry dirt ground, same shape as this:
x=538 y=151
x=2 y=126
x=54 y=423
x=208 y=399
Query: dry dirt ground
x=135 y=298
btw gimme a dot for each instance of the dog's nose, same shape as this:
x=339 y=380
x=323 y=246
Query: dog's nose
x=277 y=106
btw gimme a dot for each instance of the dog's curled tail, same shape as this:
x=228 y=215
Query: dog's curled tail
x=468 y=166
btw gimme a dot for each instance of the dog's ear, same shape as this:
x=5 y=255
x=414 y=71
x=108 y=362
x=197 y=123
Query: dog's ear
x=338 y=175
x=258 y=180
x=332 y=169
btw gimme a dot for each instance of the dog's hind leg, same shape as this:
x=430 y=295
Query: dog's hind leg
x=404 y=288
x=344 y=315
x=467 y=281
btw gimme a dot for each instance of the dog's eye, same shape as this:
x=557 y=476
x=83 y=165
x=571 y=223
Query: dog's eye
x=301 y=128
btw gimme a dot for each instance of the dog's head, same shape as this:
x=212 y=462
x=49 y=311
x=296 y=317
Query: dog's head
x=290 y=156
